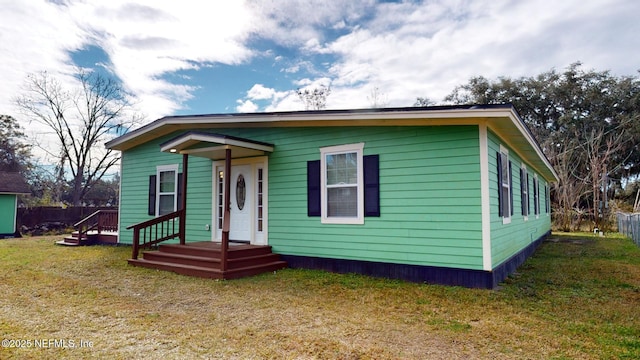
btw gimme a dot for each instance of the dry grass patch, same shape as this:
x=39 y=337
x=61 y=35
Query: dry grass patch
x=578 y=297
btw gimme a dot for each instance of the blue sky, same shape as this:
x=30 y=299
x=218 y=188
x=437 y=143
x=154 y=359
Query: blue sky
x=197 y=57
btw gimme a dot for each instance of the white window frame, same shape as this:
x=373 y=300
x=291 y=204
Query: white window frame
x=506 y=210
x=524 y=194
x=166 y=168
x=536 y=196
x=335 y=150
x=547 y=198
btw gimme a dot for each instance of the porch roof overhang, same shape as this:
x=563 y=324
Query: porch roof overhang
x=214 y=146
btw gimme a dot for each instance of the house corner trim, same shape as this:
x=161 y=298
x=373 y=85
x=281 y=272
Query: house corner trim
x=485 y=198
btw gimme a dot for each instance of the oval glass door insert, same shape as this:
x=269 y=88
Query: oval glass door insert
x=241 y=192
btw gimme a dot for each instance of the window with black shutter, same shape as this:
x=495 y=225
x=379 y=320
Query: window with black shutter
x=165 y=190
x=344 y=196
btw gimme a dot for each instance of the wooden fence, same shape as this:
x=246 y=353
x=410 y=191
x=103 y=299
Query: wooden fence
x=34 y=216
x=629 y=225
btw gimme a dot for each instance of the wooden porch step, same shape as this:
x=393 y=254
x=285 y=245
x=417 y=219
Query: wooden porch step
x=254 y=270
x=202 y=259
x=183 y=269
x=72 y=240
x=69 y=242
x=212 y=262
x=205 y=272
x=204 y=249
x=249 y=261
x=175 y=258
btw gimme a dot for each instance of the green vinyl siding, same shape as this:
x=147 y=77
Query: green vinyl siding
x=508 y=239
x=141 y=162
x=8 y=211
x=429 y=194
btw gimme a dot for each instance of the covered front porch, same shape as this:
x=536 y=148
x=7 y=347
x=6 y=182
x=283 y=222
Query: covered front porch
x=227 y=257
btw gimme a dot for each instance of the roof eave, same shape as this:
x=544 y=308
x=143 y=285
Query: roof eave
x=495 y=116
x=170 y=124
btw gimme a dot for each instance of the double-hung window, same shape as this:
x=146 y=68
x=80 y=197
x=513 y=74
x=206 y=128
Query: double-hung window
x=547 y=200
x=342 y=190
x=536 y=195
x=167 y=185
x=524 y=191
x=505 y=193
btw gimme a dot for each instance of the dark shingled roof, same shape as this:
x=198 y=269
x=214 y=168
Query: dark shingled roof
x=13 y=183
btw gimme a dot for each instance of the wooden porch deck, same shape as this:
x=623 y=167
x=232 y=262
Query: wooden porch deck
x=202 y=259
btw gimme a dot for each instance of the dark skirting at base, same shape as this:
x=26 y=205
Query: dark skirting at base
x=417 y=273
x=11 y=235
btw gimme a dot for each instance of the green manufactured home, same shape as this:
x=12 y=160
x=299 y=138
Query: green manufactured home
x=453 y=195
x=12 y=184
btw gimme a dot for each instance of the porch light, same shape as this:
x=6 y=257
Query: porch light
x=173 y=150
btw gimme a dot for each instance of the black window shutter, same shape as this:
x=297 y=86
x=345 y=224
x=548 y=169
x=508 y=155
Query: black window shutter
x=499 y=162
x=511 y=188
x=152 y=196
x=313 y=188
x=179 y=191
x=371 y=167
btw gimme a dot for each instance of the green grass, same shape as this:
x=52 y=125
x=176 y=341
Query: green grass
x=577 y=297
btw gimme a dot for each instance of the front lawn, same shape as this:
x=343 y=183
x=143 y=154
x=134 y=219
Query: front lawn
x=577 y=297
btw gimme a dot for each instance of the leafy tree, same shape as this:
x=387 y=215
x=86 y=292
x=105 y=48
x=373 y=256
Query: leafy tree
x=82 y=119
x=47 y=188
x=15 y=155
x=587 y=123
x=103 y=192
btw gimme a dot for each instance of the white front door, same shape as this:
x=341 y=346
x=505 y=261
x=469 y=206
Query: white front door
x=241 y=202
x=247 y=201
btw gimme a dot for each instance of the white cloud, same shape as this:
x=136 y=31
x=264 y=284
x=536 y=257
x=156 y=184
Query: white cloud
x=409 y=50
x=278 y=99
x=294 y=22
x=406 y=49
x=246 y=106
x=259 y=92
x=289 y=101
x=144 y=41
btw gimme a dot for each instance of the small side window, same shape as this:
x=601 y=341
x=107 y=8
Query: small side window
x=524 y=191
x=167 y=189
x=536 y=195
x=547 y=200
x=505 y=194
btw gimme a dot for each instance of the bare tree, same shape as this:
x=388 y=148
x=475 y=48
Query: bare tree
x=569 y=189
x=314 y=99
x=600 y=148
x=377 y=99
x=423 y=101
x=82 y=120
